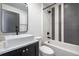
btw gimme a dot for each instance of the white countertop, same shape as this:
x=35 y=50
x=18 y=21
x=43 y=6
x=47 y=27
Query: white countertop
x=10 y=37
x=18 y=45
x=13 y=42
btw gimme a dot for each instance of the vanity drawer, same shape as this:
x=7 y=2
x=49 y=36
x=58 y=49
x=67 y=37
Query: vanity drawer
x=30 y=50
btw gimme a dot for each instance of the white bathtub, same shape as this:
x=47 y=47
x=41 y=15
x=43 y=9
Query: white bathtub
x=63 y=49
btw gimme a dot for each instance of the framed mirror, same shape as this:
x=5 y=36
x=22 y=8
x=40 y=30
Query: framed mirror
x=14 y=15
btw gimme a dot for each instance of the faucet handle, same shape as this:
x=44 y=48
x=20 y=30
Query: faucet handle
x=17 y=30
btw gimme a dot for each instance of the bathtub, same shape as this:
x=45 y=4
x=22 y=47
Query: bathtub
x=63 y=49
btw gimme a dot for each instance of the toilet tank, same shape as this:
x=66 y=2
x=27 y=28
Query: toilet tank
x=39 y=39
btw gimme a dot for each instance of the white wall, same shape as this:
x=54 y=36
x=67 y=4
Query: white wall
x=35 y=19
x=47 y=24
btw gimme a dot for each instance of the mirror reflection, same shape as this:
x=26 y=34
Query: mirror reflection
x=14 y=17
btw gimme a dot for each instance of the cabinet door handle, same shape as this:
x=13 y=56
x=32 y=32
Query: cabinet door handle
x=23 y=51
x=27 y=49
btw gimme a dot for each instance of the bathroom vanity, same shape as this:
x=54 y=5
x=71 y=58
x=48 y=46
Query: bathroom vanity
x=30 y=50
x=21 y=45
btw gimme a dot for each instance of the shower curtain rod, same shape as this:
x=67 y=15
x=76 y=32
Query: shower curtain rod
x=49 y=6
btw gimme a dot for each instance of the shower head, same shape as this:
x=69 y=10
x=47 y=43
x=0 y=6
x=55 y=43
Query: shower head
x=49 y=11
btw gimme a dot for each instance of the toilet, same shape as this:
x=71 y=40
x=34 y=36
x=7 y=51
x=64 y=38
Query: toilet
x=44 y=50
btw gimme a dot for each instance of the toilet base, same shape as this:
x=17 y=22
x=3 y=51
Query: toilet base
x=46 y=51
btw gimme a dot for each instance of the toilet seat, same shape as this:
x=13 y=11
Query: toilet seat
x=46 y=50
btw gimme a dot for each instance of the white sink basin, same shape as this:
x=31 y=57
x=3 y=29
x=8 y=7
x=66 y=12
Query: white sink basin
x=10 y=37
x=13 y=40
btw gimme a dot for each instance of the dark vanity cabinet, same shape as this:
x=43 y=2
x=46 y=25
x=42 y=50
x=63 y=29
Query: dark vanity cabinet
x=30 y=50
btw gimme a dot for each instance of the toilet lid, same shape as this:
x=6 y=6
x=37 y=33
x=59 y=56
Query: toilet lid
x=46 y=50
